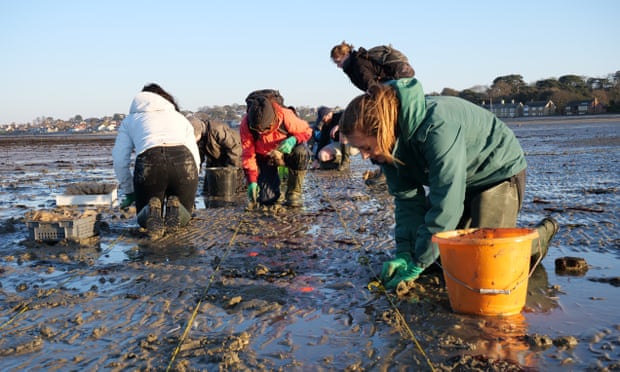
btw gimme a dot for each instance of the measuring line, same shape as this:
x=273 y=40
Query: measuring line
x=364 y=260
x=204 y=293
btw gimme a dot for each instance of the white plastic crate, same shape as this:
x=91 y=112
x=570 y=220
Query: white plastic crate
x=108 y=196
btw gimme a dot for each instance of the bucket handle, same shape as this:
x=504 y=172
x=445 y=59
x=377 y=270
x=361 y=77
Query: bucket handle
x=493 y=290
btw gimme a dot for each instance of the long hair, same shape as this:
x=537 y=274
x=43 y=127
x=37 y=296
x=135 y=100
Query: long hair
x=341 y=50
x=155 y=88
x=374 y=114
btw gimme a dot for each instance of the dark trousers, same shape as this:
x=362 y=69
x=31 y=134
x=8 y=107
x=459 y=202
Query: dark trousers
x=164 y=171
x=268 y=177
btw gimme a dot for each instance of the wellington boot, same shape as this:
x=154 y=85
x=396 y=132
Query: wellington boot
x=176 y=214
x=547 y=228
x=294 y=185
x=151 y=219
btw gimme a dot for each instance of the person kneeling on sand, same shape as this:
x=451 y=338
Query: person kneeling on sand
x=470 y=160
x=166 y=163
x=273 y=136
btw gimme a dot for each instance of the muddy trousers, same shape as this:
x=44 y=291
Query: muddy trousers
x=269 y=178
x=498 y=206
x=165 y=171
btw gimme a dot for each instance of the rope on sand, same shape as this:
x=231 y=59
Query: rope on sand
x=380 y=288
x=204 y=293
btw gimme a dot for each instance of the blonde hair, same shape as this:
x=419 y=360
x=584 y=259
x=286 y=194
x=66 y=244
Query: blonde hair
x=341 y=50
x=374 y=114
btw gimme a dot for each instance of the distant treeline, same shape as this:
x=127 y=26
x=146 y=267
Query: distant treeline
x=560 y=91
x=509 y=88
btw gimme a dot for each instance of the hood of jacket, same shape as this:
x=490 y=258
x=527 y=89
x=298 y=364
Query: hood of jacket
x=148 y=102
x=412 y=106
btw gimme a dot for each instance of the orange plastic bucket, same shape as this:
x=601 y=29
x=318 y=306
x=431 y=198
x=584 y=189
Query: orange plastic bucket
x=486 y=270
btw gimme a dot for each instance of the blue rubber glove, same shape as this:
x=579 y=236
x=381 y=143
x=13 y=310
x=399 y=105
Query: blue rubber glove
x=398 y=270
x=253 y=192
x=128 y=200
x=287 y=145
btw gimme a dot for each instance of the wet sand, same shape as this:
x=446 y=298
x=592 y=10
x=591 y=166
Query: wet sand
x=288 y=290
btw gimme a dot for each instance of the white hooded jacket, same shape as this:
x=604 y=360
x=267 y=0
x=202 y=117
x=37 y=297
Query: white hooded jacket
x=152 y=121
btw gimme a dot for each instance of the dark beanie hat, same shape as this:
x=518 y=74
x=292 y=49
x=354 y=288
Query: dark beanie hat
x=322 y=111
x=260 y=114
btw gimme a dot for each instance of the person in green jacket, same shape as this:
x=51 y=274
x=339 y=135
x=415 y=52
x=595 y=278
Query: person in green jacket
x=470 y=160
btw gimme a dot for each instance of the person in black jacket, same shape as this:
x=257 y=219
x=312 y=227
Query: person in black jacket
x=330 y=152
x=365 y=71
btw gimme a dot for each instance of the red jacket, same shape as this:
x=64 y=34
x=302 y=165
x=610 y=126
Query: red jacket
x=270 y=140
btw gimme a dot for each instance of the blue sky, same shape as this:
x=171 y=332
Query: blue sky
x=61 y=58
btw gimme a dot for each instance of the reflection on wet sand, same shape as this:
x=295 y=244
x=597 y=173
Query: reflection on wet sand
x=502 y=338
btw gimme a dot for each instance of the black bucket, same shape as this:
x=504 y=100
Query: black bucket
x=221 y=182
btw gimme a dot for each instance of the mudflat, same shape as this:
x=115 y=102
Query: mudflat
x=289 y=289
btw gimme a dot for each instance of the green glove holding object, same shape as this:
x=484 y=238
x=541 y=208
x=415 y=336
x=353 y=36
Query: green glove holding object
x=253 y=192
x=398 y=270
x=128 y=200
x=287 y=145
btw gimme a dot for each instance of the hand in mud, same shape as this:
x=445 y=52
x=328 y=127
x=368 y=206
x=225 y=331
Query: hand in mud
x=276 y=158
x=398 y=270
x=128 y=200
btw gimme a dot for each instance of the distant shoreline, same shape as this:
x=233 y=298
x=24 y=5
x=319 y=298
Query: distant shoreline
x=110 y=136
x=601 y=118
x=58 y=137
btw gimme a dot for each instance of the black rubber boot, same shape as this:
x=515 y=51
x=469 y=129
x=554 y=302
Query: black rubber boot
x=150 y=217
x=176 y=214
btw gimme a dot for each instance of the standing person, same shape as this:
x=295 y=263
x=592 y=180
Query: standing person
x=273 y=135
x=331 y=151
x=166 y=162
x=219 y=145
x=471 y=160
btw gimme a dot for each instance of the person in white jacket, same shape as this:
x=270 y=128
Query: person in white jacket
x=167 y=161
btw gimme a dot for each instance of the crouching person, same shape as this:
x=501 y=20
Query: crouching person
x=219 y=146
x=165 y=175
x=272 y=135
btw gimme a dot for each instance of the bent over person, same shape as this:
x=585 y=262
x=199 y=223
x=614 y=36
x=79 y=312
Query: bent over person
x=166 y=163
x=219 y=145
x=365 y=71
x=471 y=161
x=331 y=152
x=271 y=136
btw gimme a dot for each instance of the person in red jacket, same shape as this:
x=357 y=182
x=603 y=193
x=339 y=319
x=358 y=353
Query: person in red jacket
x=273 y=135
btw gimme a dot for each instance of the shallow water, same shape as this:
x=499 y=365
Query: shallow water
x=120 y=302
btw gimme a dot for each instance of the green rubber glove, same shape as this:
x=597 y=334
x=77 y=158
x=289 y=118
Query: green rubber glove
x=253 y=192
x=287 y=145
x=128 y=200
x=398 y=270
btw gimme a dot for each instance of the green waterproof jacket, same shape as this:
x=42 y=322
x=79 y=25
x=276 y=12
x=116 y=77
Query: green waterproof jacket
x=453 y=147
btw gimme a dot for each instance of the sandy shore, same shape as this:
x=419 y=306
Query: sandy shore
x=289 y=290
